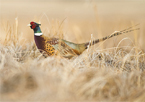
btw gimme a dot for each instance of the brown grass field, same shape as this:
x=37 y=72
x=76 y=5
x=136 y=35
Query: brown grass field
x=112 y=70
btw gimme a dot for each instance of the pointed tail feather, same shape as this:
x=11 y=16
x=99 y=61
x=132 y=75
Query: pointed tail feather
x=129 y=27
x=112 y=35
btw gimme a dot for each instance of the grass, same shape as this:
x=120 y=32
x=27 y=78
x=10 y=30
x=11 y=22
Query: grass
x=111 y=74
x=99 y=74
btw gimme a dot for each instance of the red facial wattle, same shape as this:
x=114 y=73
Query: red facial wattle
x=33 y=25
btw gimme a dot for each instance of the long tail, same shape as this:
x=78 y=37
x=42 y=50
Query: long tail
x=112 y=35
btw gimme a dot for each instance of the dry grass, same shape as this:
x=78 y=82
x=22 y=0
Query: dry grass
x=99 y=74
x=113 y=74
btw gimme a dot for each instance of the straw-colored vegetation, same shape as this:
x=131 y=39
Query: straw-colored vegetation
x=113 y=74
x=98 y=74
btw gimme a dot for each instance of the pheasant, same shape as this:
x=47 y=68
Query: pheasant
x=51 y=46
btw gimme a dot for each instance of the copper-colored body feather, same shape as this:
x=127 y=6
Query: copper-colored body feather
x=51 y=46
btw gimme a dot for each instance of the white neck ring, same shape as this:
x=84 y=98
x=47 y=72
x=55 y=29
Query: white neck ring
x=38 y=34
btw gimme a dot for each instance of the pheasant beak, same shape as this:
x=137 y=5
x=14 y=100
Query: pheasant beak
x=29 y=25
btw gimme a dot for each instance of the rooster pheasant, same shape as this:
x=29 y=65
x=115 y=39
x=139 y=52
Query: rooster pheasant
x=51 y=46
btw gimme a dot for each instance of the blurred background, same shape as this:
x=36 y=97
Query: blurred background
x=78 y=19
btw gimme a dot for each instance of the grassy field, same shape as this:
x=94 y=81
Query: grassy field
x=113 y=70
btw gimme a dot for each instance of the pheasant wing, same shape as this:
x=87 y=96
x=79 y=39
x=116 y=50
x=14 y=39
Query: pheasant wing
x=65 y=50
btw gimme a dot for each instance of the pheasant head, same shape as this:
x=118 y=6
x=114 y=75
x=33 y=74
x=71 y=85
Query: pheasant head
x=36 y=28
